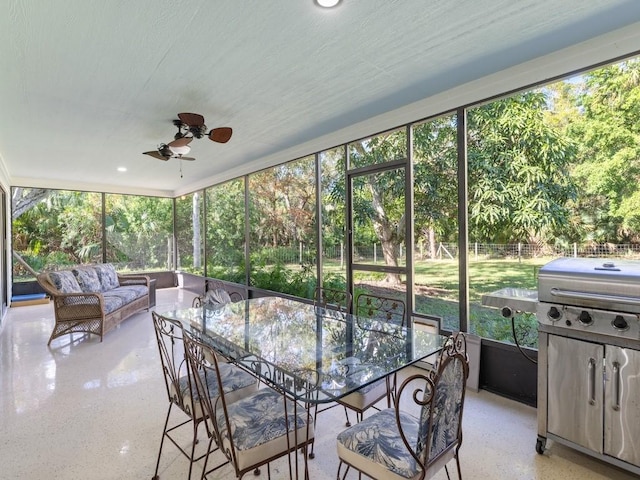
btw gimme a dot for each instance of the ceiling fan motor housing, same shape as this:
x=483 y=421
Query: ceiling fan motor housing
x=198 y=131
x=165 y=151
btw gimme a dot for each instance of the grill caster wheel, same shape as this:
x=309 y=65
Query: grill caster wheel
x=540 y=445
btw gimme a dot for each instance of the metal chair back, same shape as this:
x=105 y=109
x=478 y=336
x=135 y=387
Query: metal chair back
x=388 y=309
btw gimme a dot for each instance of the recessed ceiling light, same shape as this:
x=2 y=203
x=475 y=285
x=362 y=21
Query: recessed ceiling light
x=327 y=3
x=122 y=169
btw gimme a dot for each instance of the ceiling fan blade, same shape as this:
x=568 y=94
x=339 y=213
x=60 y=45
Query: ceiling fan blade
x=191 y=119
x=191 y=159
x=221 y=135
x=156 y=154
x=180 y=142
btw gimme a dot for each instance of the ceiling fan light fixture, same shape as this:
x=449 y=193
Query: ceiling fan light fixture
x=327 y=3
x=180 y=150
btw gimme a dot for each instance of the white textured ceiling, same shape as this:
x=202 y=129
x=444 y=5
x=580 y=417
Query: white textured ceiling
x=87 y=85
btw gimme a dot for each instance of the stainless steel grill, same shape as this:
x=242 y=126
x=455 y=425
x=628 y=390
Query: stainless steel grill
x=589 y=358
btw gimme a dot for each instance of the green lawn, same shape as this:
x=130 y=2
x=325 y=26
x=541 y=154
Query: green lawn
x=437 y=285
x=442 y=279
x=484 y=275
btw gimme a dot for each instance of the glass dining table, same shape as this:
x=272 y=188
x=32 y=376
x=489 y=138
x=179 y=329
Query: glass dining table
x=310 y=353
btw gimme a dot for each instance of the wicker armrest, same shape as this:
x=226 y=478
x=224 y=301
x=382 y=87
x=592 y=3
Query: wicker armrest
x=71 y=306
x=133 y=280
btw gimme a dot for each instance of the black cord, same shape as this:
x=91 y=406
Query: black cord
x=513 y=329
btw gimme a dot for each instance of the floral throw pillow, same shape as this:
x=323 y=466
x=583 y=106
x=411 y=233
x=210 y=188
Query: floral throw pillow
x=107 y=276
x=87 y=279
x=65 y=282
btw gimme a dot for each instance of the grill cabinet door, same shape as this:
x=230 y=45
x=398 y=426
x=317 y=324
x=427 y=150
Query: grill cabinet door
x=575 y=391
x=622 y=404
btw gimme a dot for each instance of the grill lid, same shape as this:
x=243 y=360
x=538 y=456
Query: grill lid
x=591 y=282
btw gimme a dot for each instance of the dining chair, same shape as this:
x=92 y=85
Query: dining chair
x=388 y=310
x=397 y=444
x=181 y=394
x=334 y=299
x=216 y=294
x=253 y=431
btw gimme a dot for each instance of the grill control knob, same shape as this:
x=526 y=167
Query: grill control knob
x=620 y=323
x=585 y=318
x=554 y=314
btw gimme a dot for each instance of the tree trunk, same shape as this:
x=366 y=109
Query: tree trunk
x=24 y=199
x=390 y=250
x=432 y=242
x=390 y=235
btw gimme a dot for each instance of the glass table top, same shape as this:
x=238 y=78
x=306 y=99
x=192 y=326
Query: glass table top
x=308 y=351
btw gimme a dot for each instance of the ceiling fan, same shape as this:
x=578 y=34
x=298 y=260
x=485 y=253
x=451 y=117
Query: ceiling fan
x=190 y=126
x=175 y=149
x=193 y=124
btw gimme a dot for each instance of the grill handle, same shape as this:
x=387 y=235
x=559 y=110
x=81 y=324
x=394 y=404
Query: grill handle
x=556 y=292
x=616 y=388
x=591 y=381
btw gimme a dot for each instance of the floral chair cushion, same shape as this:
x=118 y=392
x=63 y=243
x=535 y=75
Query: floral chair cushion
x=107 y=275
x=376 y=441
x=236 y=382
x=87 y=279
x=259 y=427
x=65 y=282
x=217 y=296
x=446 y=417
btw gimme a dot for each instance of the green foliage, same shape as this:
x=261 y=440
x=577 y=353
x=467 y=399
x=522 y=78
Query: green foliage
x=436 y=179
x=519 y=185
x=282 y=206
x=607 y=166
x=225 y=229
x=334 y=281
x=65 y=228
x=553 y=166
x=301 y=283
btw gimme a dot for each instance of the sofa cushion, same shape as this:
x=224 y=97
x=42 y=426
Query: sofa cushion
x=127 y=294
x=107 y=276
x=65 y=282
x=87 y=279
x=112 y=303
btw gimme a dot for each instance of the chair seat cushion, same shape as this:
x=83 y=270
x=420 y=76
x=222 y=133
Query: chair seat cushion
x=375 y=447
x=259 y=427
x=236 y=382
x=366 y=396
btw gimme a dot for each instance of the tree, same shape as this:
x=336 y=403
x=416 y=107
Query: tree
x=225 y=231
x=608 y=158
x=519 y=182
x=380 y=198
x=435 y=188
x=24 y=199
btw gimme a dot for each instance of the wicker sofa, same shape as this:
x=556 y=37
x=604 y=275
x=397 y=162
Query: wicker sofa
x=93 y=298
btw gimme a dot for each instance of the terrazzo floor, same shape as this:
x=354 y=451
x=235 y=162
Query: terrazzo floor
x=81 y=409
